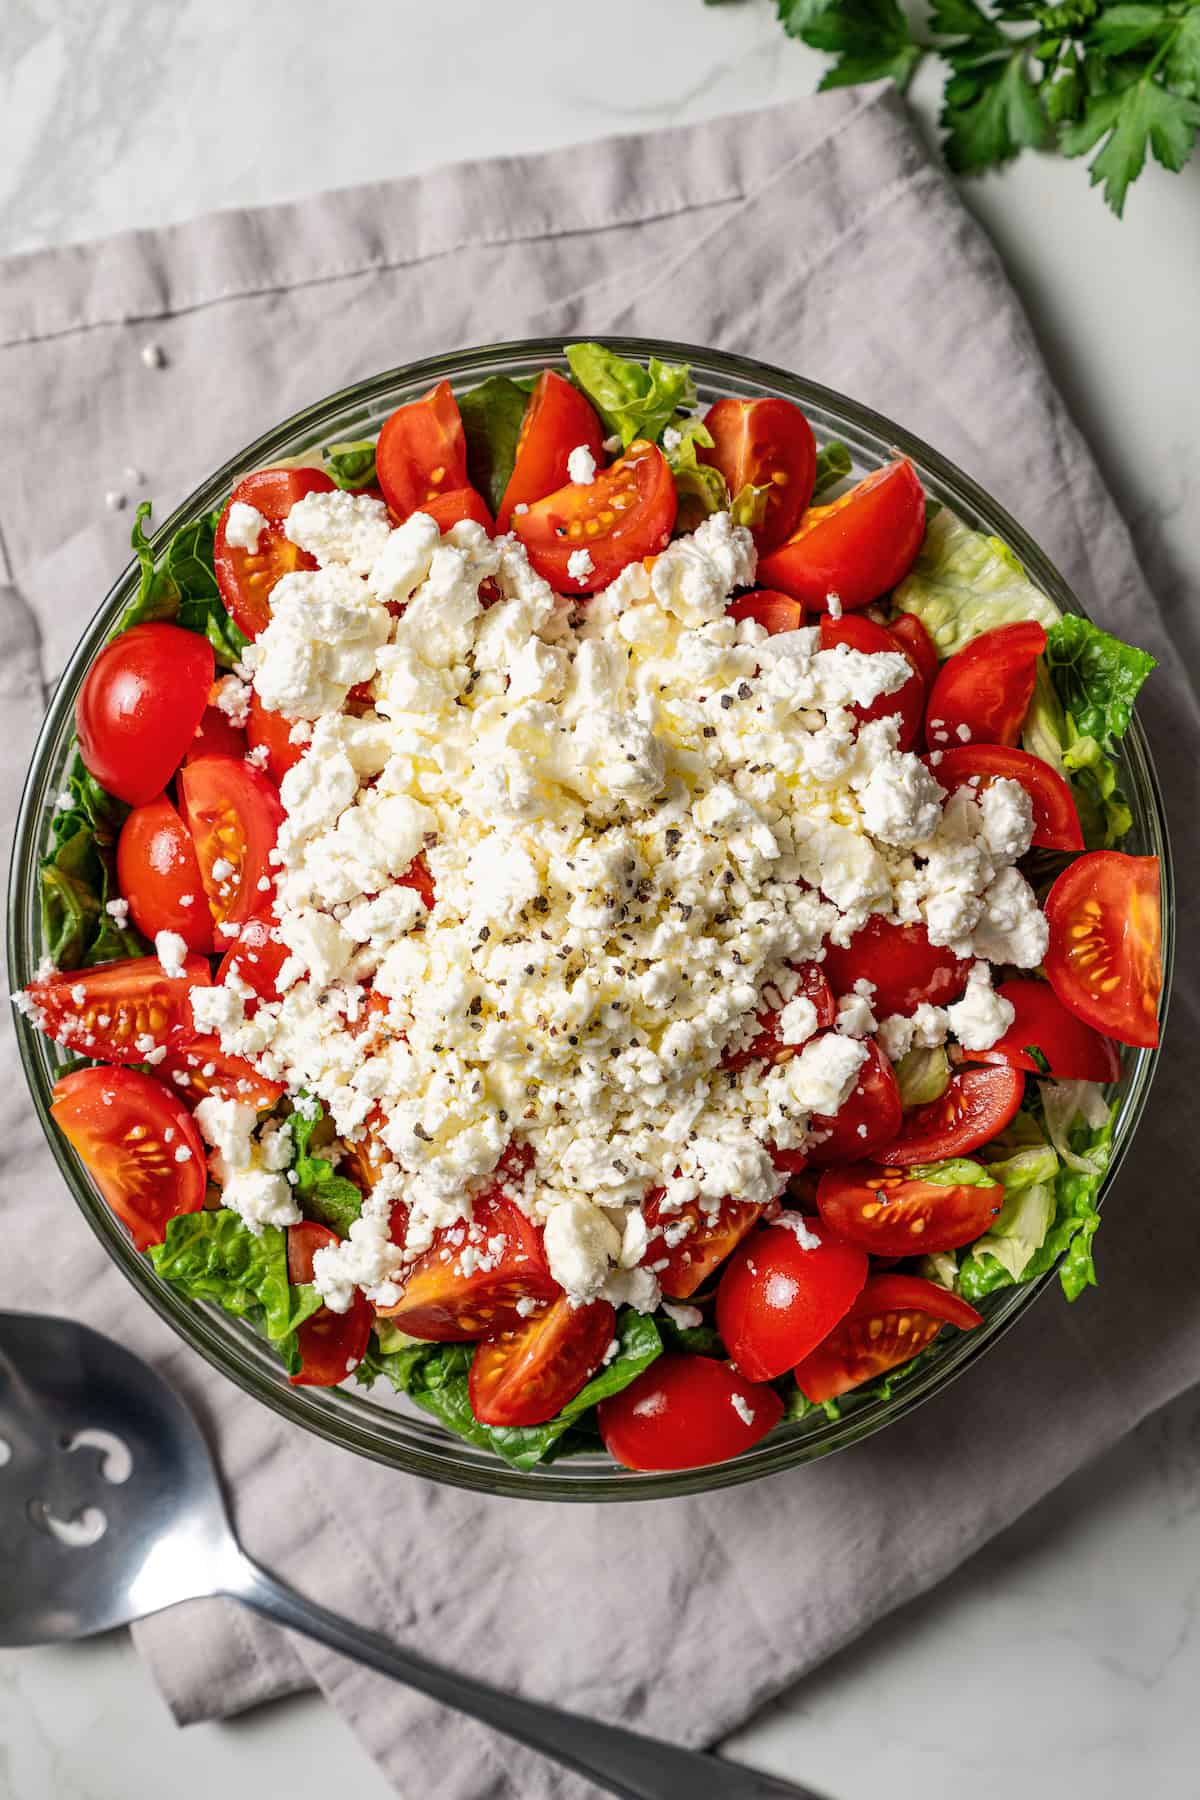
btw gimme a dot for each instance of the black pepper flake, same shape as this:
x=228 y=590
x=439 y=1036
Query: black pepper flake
x=745 y=691
x=502 y=1116
x=529 y=968
x=420 y=1132
x=686 y=910
x=476 y=1006
x=541 y=904
x=726 y=702
x=485 y=932
x=709 y=731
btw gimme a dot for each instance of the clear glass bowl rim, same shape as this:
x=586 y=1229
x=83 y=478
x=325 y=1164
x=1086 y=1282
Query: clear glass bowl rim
x=413 y=1443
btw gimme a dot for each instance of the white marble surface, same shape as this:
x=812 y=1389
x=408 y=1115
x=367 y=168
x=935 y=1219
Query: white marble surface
x=1066 y=1657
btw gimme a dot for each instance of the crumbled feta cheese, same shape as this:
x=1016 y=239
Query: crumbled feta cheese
x=797 y=1021
x=171 y=950
x=981 y=1016
x=580 y=565
x=244 y=525
x=743 y=1409
x=232 y=697
x=339 y=528
x=118 y=911
x=581 y=465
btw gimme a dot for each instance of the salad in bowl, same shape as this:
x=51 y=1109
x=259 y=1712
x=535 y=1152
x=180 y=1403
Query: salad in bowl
x=587 y=910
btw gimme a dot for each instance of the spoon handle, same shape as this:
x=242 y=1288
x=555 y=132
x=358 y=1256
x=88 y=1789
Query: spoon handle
x=624 y=1763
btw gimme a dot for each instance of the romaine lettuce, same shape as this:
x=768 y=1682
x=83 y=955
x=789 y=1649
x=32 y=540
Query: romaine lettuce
x=329 y=1198
x=182 y=586
x=78 y=878
x=964 y=583
x=350 y=466
x=833 y=465
x=701 y=488
x=492 y=416
x=213 y=1256
x=922 y=1075
x=634 y=400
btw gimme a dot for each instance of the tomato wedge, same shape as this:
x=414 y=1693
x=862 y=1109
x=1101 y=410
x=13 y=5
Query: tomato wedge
x=121 y=1012
x=139 y=707
x=688 y=1244
x=774 y=612
x=858 y=547
x=1105 y=956
x=447 y=1302
x=625 y=514
x=216 y=735
x=901 y=964
x=255 y=957
x=526 y=1376
x=983 y=691
x=767 y=1045
x=331 y=1344
x=784 y=1289
x=684 y=1412
x=201 y=1068
x=1072 y=1049
x=158 y=874
x=271 y=729
x=894 y=1319
x=246 y=577
x=460 y=503
x=557 y=420
x=421 y=455
x=889 y=1213
x=907 y=702
x=917 y=645
x=139 y=1146
x=1055 y=820
x=869 y=1119
x=765 y=443
x=976 y=1106
x=233 y=813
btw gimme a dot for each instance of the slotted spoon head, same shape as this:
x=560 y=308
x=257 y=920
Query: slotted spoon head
x=109 y=1503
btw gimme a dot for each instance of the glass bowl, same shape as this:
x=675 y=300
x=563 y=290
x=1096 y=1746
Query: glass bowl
x=365 y=1421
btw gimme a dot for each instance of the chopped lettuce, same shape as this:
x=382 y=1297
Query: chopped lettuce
x=214 y=1256
x=492 y=416
x=959 y=1171
x=635 y=400
x=833 y=465
x=1065 y=1102
x=922 y=1076
x=181 y=586
x=350 y=466
x=701 y=488
x=79 y=878
x=322 y=1194
x=964 y=583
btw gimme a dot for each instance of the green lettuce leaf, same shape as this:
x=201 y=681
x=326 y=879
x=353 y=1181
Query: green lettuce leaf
x=833 y=465
x=701 y=488
x=78 y=878
x=350 y=466
x=492 y=416
x=322 y=1194
x=922 y=1076
x=214 y=1256
x=181 y=585
x=964 y=583
x=959 y=1171
x=634 y=400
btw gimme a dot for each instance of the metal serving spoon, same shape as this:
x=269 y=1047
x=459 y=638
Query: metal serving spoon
x=110 y=1509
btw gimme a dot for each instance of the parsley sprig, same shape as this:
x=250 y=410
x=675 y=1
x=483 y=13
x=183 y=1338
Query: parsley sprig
x=1119 y=79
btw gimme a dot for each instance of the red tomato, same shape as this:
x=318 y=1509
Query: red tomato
x=766 y=1045
x=983 y=691
x=233 y=813
x=874 y=1106
x=557 y=419
x=121 y=1011
x=246 y=577
x=889 y=1213
x=626 y=513
x=901 y=964
x=273 y=730
x=1105 y=956
x=158 y=874
x=917 y=645
x=216 y=735
x=367 y=1156
x=765 y=443
x=526 y=1376
x=858 y=547
x=685 y=1411
x=774 y=612
x=417 y=877
x=446 y=1304
x=256 y=956
x=139 y=707
x=783 y=1290
x=688 y=1244
x=422 y=452
x=894 y=1319
x=201 y=1067
x=331 y=1344
x=1055 y=820
x=908 y=700
x=461 y=503
x=976 y=1106
x=1073 y=1050
x=131 y=1134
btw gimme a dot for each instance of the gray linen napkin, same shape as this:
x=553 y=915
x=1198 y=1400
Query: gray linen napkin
x=818 y=236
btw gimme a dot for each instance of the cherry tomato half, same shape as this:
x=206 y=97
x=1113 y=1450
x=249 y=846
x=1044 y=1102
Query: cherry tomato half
x=526 y=1376
x=907 y=702
x=784 y=1289
x=331 y=1344
x=255 y=956
x=917 y=645
x=858 y=547
x=271 y=729
x=767 y=1045
x=201 y=1067
x=446 y=1303
x=869 y=1119
x=234 y=814
x=246 y=577
x=158 y=874
x=688 y=1244
x=901 y=964
x=978 y=1104
x=216 y=735
x=888 y=1213
x=422 y=452
x=894 y=1319
x=139 y=707
x=983 y=691
x=765 y=443
x=460 y=503
x=1055 y=820
x=557 y=420
x=684 y=1412
x=139 y=1145
x=774 y=612
x=121 y=1011
x=1105 y=956
x=1072 y=1049
x=626 y=513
